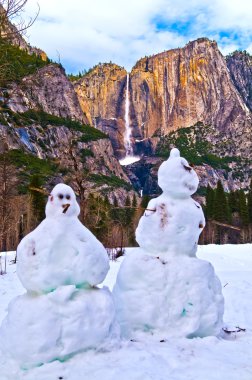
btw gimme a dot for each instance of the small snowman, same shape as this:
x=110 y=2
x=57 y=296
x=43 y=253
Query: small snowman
x=63 y=312
x=61 y=251
x=162 y=288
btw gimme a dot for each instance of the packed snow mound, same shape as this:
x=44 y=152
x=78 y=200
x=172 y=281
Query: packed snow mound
x=61 y=251
x=58 y=324
x=170 y=225
x=176 y=297
x=176 y=177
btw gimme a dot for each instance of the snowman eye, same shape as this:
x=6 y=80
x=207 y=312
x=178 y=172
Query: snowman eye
x=187 y=168
x=60 y=196
x=68 y=196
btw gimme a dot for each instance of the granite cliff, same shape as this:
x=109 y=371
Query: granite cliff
x=192 y=88
x=240 y=67
x=101 y=94
x=49 y=90
x=180 y=88
x=41 y=117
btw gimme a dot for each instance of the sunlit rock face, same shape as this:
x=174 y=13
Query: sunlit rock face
x=180 y=87
x=168 y=91
x=101 y=93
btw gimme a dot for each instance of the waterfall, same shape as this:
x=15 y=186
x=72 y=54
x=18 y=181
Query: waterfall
x=127 y=133
x=129 y=157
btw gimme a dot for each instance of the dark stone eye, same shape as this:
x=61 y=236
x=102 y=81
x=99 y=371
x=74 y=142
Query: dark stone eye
x=61 y=196
x=68 y=196
x=187 y=168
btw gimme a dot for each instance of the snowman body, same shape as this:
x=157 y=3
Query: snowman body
x=162 y=289
x=170 y=225
x=62 y=313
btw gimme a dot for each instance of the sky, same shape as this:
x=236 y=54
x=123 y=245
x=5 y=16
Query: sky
x=82 y=33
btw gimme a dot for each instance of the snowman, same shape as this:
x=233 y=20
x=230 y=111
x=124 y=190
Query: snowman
x=162 y=288
x=63 y=312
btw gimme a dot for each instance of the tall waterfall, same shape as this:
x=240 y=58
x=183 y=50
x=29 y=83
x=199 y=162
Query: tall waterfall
x=127 y=133
x=129 y=157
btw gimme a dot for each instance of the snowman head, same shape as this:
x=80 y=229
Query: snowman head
x=176 y=177
x=62 y=202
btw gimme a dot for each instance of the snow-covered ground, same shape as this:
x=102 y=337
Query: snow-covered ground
x=211 y=358
x=129 y=160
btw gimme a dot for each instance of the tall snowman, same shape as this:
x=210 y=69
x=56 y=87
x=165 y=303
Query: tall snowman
x=163 y=289
x=63 y=312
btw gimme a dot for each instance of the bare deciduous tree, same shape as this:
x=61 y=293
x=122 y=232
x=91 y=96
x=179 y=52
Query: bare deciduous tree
x=7 y=189
x=12 y=24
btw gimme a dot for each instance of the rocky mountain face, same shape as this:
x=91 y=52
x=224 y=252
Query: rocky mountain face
x=176 y=89
x=48 y=89
x=181 y=87
x=40 y=116
x=101 y=94
x=77 y=154
x=240 y=67
x=168 y=91
x=191 y=97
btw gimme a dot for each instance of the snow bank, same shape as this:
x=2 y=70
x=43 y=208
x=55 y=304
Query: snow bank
x=207 y=358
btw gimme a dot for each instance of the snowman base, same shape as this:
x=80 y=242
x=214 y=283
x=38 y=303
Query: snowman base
x=160 y=298
x=41 y=328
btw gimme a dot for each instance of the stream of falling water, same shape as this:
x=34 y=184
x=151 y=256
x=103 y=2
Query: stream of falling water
x=129 y=157
x=127 y=133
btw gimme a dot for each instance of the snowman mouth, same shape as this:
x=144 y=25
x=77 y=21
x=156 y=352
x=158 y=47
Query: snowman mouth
x=65 y=208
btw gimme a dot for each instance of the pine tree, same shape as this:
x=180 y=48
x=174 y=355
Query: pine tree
x=221 y=211
x=115 y=202
x=145 y=201
x=243 y=209
x=128 y=211
x=134 y=201
x=250 y=202
x=210 y=196
x=98 y=216
x=106 y=200
x=37 y=199
x=233 y=201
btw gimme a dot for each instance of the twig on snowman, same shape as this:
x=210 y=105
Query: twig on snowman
x=238 y=329
x=65 y=208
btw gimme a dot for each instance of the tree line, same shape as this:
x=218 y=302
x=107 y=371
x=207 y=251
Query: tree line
x=22 y=208
x=23 y=200
x=228 y=215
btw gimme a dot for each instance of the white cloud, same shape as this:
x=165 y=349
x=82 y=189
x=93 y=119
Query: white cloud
x=86 y=32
